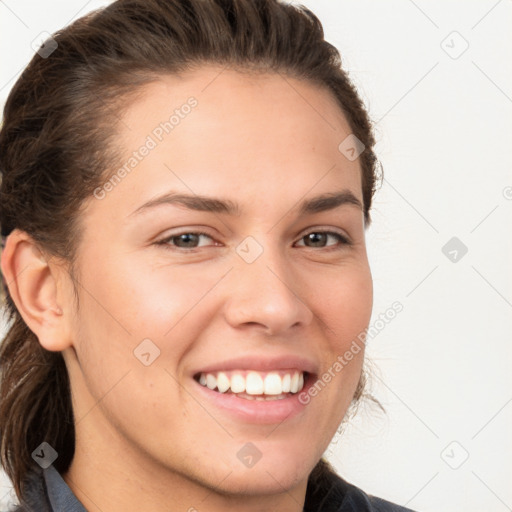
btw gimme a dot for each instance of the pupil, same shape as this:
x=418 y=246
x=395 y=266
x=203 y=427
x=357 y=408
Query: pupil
x=317 y=238
x=188 y=238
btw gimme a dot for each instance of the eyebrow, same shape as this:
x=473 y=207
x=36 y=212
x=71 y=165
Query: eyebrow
x=321 y=203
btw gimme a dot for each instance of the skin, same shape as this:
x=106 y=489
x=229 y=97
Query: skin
x=145 y=439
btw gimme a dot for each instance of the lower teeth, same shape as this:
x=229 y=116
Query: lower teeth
x=261 y=398
x=265 y=398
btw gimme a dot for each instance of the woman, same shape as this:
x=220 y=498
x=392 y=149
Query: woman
x=185 y=191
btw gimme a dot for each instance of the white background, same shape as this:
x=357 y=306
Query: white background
x=444 y=129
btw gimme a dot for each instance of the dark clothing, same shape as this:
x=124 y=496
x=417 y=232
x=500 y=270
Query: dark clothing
x=48 y=492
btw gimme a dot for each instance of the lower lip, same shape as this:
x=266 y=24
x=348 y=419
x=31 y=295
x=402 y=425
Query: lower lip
x=256 y=411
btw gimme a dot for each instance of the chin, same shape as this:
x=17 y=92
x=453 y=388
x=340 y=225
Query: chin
x=261 y=482
x=273 y=476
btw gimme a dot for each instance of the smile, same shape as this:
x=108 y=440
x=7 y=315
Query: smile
x=255 y=385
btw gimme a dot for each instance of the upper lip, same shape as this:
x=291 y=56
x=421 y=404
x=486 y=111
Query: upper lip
x=259 y=363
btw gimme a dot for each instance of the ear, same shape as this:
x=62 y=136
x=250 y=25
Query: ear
x=37 y=288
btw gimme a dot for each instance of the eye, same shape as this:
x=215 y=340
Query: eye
x=187 y=240
x=318 y=239
x=191 y=240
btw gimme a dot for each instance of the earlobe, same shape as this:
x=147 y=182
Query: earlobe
x=34 y=286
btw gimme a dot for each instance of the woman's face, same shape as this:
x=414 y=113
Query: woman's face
x=273 y=288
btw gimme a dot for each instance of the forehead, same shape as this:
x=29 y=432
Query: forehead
x=218 y=131
x=233 y=98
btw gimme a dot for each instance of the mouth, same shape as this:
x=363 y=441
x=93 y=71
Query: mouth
x=255 y=385
x=257 y=390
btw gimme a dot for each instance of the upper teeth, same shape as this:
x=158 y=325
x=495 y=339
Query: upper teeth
x=254 y=383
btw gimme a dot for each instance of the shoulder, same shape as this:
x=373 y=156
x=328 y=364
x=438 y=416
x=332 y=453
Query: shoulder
x=328 y=492
x=35 y=497
x=357 y=499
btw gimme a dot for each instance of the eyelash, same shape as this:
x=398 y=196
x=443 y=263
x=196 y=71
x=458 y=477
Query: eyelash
x=343 y=240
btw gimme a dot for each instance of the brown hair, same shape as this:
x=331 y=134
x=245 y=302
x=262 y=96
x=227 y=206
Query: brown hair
x=57 y=138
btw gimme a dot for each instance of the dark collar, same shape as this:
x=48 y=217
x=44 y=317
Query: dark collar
x=46 y=491
x=328 y=492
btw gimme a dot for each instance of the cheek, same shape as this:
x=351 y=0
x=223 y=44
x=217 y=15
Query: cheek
x=344 y=304
x=139 y=300
x=344 y=309
x=129 y=309
x=123 y=308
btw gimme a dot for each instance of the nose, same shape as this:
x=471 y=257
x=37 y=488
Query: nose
x=265 y=294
